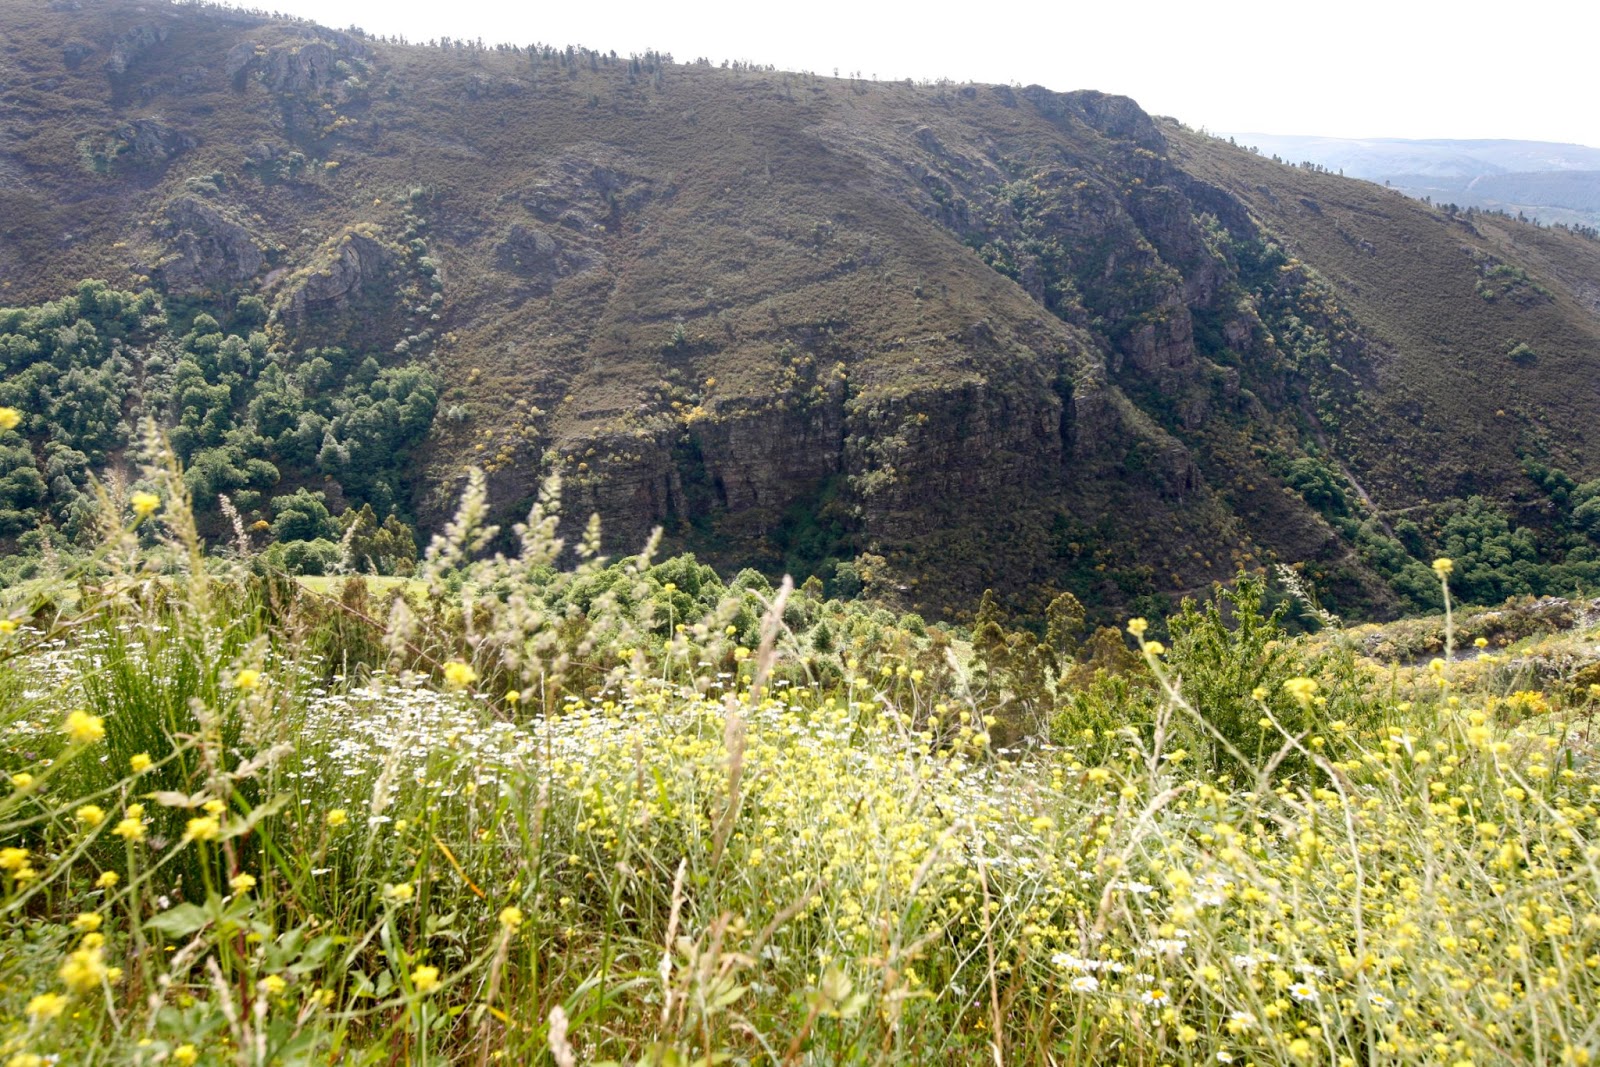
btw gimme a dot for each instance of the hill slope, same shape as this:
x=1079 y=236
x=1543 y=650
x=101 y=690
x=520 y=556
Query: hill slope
x=949 y=337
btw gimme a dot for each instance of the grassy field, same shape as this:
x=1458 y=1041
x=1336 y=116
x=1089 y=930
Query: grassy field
x=248 y=822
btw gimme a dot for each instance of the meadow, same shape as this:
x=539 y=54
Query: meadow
x=532 y=807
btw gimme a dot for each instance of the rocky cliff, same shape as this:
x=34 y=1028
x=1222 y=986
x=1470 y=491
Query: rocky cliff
x=1020 y=338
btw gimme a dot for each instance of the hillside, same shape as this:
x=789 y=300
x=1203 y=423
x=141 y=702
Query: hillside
x=919 y=340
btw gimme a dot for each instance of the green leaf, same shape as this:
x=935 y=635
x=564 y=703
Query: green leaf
x=180 y=921
x=169 y=799
x=260 y=812
x=724 y=997
x=836 y=985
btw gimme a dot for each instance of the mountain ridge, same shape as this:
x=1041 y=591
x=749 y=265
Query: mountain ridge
x=920 y=340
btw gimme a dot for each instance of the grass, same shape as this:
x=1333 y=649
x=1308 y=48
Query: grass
x=711 y=844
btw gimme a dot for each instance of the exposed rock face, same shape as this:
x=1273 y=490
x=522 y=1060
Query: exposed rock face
x=305 y=68
x=133 y=44
x=580 y=190
x=1115 y=116
x=241 y=57
x=760 y=458
x=749 y=463
x=209 y=250
x=151 y=141
x=358 y=265
x=938 y=450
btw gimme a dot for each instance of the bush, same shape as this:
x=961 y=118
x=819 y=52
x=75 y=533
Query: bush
x=1231 y=659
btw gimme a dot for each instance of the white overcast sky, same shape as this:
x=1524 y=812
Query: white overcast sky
x=1352 y=68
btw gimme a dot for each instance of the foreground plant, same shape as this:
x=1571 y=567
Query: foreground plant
x=506 y=829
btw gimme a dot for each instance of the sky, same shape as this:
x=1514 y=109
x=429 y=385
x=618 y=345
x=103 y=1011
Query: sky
x=1357 y=68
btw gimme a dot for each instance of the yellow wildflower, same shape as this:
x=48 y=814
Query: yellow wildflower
x=205 y=828
x=13 y=859
x=144 y=505
x=185 y=1055
x=425 y=979
x=140 y=763
x=82 y=728
x=1301 y=688
x=46 y=1006
x=242 y=883
x=459 y=675
x=84 y=969
x=337 y=818
x=91 y=815
x=274 y=985
x=10 y=418
x=511 y=917
x=247 y=679
x=1137 y=627
x=88 y=921
x=107 y=880
x=400 y=893
x=21 y=780
x=1444 y=567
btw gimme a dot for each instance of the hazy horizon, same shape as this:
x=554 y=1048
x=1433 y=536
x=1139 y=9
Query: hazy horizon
x=1237 y=134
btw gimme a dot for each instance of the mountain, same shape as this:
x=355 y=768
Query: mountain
x=919 y=340
x=1551 y=182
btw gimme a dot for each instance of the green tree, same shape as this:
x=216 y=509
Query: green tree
x=303 y=516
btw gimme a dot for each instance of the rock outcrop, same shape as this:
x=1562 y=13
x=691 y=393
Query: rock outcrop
x=151 y=142
x=355 y=269
x=297 y=68
x=208 y=249
x=133 y=44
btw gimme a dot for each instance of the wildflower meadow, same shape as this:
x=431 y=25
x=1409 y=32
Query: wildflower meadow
x=533 y=807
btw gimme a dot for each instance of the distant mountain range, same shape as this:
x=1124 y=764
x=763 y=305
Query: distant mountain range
x=1541 y=179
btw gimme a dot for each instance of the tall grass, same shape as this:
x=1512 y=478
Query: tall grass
x=507 y=833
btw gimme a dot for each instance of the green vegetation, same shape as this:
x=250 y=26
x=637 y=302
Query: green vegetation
x=630 y=813
x=247 y=419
